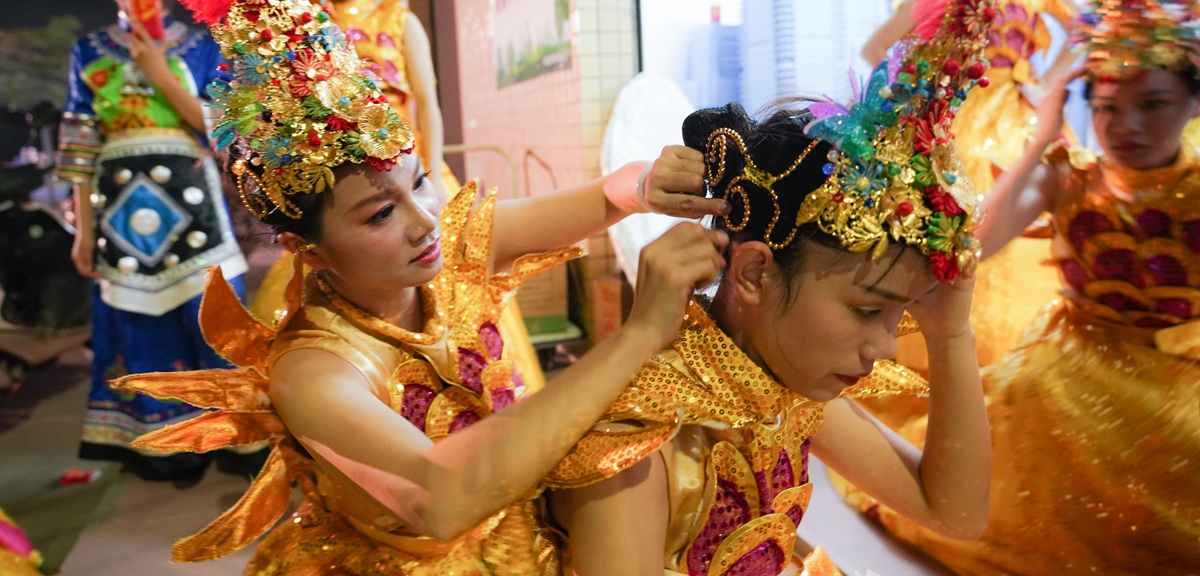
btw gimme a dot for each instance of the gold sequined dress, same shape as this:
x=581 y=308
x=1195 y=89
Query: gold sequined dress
x=457 y=371
x=735 y=443
x=1095 y=415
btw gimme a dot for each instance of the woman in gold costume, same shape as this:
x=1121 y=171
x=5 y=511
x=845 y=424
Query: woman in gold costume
x=842 y=219
x=1095 y=416
x=388 y=34
x=385 y=389
x=992 y=128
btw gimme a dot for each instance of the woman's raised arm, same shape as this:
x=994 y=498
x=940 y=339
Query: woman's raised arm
x=445 y=488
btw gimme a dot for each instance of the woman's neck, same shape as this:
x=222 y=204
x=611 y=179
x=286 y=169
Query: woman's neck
x=729 y=317
x=401 y=308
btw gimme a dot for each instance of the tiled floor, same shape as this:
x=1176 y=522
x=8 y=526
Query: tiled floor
x=132 y=526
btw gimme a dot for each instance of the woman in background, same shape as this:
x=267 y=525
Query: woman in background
x=1095 y=422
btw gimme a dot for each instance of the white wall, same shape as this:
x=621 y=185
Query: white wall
x=665 y=27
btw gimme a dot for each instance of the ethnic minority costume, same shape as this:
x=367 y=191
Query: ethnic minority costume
x=735 y=441
x=377 y=28
x=1094 y=417
x=161 y=220
x=300 y=98
x=454 y=373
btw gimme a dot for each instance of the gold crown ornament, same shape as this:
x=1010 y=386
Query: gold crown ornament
x=1124 y=37
x=296 y=91
x=895 y=174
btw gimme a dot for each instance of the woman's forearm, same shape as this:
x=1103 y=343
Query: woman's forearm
x=442 y=489
x=551 y=221
x=955 y=468
x=429 y=118
x=1015 y=201
x=189 y=107
x=475 y=472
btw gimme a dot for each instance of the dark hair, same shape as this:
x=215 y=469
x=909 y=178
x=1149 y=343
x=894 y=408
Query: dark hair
x=307 y=226
x=1189 y=74
x=774 y=145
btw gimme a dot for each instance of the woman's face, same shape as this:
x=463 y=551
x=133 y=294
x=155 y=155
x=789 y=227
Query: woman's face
x=1139 y=121
x=379 y=232
x=841 y=317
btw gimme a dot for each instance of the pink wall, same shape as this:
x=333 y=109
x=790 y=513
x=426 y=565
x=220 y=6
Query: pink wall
x=541 y=114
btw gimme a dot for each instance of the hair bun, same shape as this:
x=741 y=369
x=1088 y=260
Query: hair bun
x=699 y=125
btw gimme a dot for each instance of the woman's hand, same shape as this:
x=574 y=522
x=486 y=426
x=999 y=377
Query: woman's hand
x=148 y=54
x=83 y=251
x=945 y=313
x=675 y=185
x=672 y=267
x=1050 y=109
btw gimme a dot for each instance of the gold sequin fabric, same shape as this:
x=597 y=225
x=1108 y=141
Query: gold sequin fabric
x=445 y=378
x=1095 y=428
x=735 y=443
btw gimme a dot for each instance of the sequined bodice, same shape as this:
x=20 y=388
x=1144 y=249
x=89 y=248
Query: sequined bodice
x=1019 y=32
x=377 y=30
x=735 y=443
x=1129 y=246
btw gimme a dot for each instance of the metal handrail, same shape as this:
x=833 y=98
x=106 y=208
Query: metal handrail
x=512 y=167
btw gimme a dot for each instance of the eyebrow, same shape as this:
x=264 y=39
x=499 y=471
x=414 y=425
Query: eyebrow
x=371 y=200
x=1147 y=94
x=888 y=294
x=884 y=293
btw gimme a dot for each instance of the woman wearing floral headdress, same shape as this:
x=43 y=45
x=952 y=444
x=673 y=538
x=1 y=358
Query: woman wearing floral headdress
x=1096 y=413
x=992 y=128
x=842 y=219
x=389 y=35
x=385 y=389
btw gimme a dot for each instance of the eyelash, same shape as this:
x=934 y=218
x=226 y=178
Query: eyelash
x=382 y=215
x=866 y=312
x=421 y=181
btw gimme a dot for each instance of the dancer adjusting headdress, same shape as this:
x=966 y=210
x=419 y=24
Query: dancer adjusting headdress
x=300 y=96
x=303 y=102
x=895 y=175
x=1124 y=37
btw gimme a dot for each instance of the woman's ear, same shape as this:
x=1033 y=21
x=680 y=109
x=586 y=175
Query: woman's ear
x=311 y=253
x=750 y=267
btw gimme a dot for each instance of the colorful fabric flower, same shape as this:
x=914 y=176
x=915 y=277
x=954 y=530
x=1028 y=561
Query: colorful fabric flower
x=337 y=123
x=863 y=178
x=945 y=266
x=252 y=70
x=381 y=133
x=941 y=201
x=275 y=151
x=943 y=234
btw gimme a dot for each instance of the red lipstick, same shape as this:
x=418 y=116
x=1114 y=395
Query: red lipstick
x=430 y=255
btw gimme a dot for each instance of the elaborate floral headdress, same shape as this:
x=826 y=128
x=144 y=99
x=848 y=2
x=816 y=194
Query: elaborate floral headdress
x=1127 y=36
x=895 y=174
x=299 y=95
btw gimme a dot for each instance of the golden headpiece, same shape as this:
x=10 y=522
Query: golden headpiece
x=298 y=93
x=888 y=158
x=1126 y=36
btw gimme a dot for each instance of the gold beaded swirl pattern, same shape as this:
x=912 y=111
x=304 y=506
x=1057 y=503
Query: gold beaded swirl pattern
x=715 y=157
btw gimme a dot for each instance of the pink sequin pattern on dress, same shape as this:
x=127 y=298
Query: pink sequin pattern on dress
x=730 y=511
